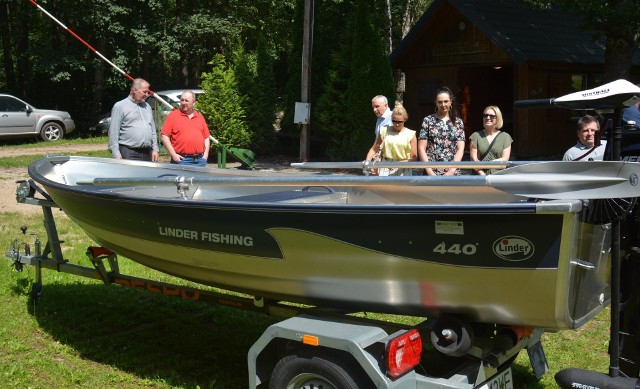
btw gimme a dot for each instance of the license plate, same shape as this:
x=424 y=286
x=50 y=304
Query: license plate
x=503 y=380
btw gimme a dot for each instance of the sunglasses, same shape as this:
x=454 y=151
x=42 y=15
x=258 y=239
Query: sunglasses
x=397 y=121
x=488 y=116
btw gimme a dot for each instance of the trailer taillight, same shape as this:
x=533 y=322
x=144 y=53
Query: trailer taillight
x=404 y=352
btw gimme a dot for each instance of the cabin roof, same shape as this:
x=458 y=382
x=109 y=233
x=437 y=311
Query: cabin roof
x=523 y=33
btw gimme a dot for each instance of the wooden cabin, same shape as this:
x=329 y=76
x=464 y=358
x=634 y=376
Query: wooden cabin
x=492 y=52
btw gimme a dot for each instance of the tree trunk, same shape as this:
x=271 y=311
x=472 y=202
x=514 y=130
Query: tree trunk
x=98 y=78
x=7 y=51
x=389 y=28
x=21 y=32
x=407 y=18
x=407 y=22
x=620 y=46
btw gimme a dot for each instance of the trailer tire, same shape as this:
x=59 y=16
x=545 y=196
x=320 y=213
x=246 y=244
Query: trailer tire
x=306 y=371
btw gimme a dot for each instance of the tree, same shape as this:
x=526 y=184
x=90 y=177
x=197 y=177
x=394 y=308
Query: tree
x=222 y=105
x=264 y=98
x=254 y=74
x=331 y=106
x=616 y=21
x=170 y=43
x=370 y=76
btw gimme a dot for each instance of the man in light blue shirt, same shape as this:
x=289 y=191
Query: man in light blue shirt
x=380 y=106
x=586 y=149
x=132 y=132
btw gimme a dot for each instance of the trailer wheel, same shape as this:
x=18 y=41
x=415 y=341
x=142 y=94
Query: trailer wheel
x=451 y=336
x=314 y=372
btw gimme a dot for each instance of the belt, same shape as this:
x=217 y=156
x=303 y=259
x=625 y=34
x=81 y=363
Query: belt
x=194 y=156
x=135 y=148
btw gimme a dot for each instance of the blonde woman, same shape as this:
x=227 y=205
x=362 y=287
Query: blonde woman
x=398 y=143
x=490 y=143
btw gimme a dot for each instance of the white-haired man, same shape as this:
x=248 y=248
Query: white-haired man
x=380 y=106
x=132 y=132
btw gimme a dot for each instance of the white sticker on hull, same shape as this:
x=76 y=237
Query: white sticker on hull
x=449 y=227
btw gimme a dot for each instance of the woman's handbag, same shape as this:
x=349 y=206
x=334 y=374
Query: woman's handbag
x=481 y=158
x=377 y=157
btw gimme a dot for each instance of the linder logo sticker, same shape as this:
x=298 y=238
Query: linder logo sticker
x=513 y=248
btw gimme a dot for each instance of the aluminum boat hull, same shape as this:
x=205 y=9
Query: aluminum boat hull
x=475 y=252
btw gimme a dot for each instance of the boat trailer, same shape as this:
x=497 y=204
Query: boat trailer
x=371 y=353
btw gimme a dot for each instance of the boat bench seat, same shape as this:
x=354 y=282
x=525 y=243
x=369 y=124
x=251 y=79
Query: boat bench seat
x=293 y=196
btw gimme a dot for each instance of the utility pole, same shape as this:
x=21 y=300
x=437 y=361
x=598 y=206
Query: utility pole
x=305 y=88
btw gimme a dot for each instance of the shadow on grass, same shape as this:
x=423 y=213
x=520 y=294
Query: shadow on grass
x=182 y=343
x=524 y=377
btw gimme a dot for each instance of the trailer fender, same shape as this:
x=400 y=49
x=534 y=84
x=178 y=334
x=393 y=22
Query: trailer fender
x=327 y=333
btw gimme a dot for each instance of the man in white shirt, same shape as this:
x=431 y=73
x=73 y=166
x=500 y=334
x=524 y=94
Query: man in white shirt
x=380 y=106
x=586 y=149
x=132 y=132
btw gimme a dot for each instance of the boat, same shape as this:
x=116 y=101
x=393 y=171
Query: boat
x=526 y=246
x=417 y=245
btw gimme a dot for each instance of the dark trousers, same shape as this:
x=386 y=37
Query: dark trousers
x=140 y=154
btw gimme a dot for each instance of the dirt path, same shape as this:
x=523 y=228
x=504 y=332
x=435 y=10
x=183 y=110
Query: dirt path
x=9 y=176
x=56 y=147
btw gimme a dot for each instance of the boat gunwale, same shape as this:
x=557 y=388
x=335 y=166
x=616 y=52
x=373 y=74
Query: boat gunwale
x=490 y=208
x=526 y=205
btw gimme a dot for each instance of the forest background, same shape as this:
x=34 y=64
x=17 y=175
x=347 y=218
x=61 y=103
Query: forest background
x=247 y=57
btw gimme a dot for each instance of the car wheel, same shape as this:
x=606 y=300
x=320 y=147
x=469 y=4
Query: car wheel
x=51 y=131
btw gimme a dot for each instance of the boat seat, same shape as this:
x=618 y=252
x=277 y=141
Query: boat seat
x=293 y=196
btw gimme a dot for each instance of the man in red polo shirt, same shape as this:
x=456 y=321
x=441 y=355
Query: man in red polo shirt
x=185 y=134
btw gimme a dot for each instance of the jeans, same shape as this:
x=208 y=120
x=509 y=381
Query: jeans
x=191 y=161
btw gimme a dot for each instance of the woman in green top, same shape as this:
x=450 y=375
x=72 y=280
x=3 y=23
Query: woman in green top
x=490 y=144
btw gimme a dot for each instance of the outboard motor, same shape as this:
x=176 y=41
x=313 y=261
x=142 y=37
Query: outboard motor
x=630 y=266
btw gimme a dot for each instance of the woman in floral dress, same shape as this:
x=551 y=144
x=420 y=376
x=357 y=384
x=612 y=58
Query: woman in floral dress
x=441 y=137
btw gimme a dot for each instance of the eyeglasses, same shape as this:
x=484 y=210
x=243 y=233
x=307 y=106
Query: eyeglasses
x=397 y=121
x=488 y=116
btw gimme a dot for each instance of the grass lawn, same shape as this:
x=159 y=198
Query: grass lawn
x=83 y=334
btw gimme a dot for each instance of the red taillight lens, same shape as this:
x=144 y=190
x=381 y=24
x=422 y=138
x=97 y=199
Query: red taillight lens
x=403 y=353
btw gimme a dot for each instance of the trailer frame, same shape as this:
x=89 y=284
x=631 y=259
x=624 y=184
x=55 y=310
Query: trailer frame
x=354 y=344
